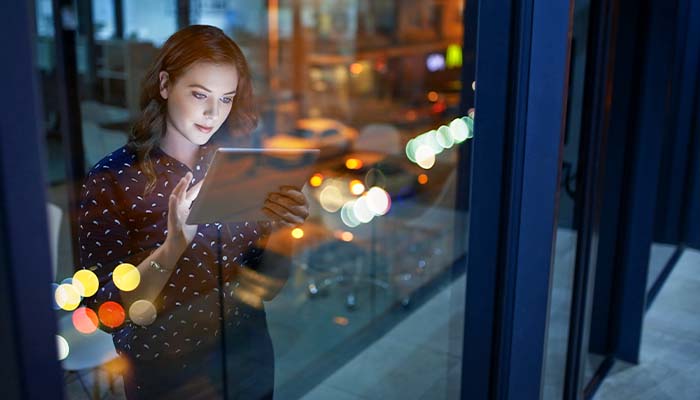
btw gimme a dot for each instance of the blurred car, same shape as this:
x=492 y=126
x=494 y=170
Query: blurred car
x=332 y=137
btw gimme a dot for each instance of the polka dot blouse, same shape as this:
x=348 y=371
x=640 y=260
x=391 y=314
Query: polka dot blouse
x=119 y=224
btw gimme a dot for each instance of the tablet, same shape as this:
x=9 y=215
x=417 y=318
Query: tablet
x=239 y=180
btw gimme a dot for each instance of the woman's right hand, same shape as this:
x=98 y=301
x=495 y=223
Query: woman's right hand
x=180 y=234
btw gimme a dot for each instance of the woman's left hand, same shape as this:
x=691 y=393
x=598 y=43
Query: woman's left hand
x=288 y=207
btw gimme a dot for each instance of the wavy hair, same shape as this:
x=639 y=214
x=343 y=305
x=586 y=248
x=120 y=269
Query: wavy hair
x=185 y=47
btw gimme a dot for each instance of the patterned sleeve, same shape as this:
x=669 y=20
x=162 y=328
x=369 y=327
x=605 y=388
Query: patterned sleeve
x=103 y=235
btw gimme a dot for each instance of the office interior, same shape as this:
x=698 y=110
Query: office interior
x=506 y=203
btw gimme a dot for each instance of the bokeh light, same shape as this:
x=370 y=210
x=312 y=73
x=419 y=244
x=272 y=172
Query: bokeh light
x=357 y=187
x=430 y=139
x=422 y=179
x=87 y=282
x=378 y=201
x=111 y=314
x=444 y=137
x=347 y=236
x=353 y=163
x=453 y=58
x=347 y=214
x=425 y=157
x=342 y=321
x=126 y=277
x=316 y=180
x=297 y=233
x=356 y=68
x=435 y=62
x=62 y=347
x=474 y=86
x=411 y=149
x=433 y=96
x=470 y=124
x=142 y=312
x=362 y=211
x=67 y=297
x=459 y=130
x=85 y=320
x=331 y=198
x=67 y=281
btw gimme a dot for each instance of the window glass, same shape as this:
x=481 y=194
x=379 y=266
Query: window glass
x=361 y=300
x=568 y=226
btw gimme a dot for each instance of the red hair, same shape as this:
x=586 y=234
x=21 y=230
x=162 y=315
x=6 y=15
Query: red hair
x=185 y=47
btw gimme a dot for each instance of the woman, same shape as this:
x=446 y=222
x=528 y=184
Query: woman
x=195 y=324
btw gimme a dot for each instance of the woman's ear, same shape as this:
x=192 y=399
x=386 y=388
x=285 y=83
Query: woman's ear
x=164 y=84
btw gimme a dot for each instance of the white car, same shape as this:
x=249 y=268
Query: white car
x=332 y=137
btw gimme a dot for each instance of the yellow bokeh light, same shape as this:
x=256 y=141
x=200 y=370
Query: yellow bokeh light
x=126 y=277
x=67 y=297
x=142 y=312
x=422 y=179
x=356 y=68
x=62 y=347
x=357 y=187
x=353 y=163
x=331 y=199
x=88 y=282
x=453 y=58
x=297 y=233
x=316 y=180
x=347 y=236
x=433 y=96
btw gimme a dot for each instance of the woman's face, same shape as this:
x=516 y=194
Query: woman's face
x=199 y=101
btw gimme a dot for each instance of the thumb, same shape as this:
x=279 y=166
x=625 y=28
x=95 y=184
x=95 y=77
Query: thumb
x=194 y=191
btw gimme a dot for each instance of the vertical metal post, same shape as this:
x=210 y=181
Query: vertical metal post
x=641 y=188
x=183 y=14
x=118 y=19
x=522 y=76
x=87 y=31
x=65 y=25
x=28 y=333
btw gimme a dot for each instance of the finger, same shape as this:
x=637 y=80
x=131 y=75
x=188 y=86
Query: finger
x=172 y=211
x=291 y=198
x=276 y=221
x=293 y=193
x=183 y=191
x=283 y=213
x=193 y=192
x=181 y=186
x=273 y=217
x=178 y=187
x=291 y=206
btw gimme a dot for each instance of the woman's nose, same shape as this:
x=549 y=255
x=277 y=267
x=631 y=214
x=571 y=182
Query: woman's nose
x=212 y=110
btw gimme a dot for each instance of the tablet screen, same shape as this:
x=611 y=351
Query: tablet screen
x=238 y=182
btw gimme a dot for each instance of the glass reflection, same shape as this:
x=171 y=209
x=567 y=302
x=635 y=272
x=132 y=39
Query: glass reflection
x=359 y=80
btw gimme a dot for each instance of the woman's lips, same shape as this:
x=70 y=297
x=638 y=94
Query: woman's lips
x=203 y=129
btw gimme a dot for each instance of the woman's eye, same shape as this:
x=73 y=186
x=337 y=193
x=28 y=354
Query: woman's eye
x=226 y=100
x=198 y=95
